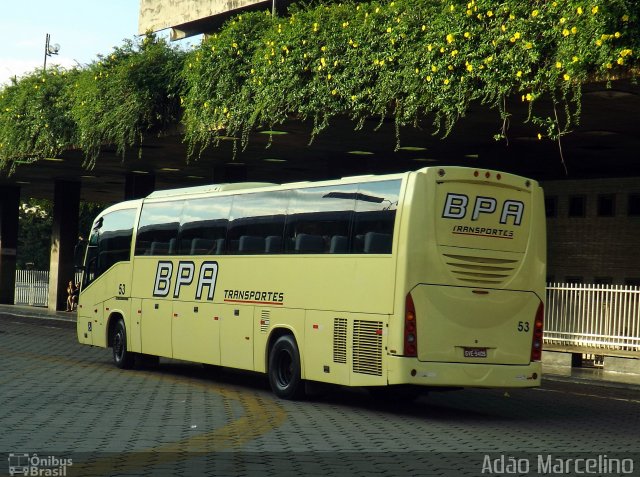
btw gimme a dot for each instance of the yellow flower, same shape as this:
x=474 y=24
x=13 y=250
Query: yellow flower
x=489 y=13
x=417 y=70
x=469 y=67
x=446 y=81
x=388 y=29
x=519 y=74
x=454 y=52
x=575 y=59
x=503 y=28
x=334 y=92
x=345 y=24
x=517 y=35
x=599 y=42
x=467 y=34
x=450 y=38
x=558 y=65
x=539 y=136
x=562 y=20
x=617 y=34
x=469 y=13
x=529 y=96
x=442 y=49
x=594 y=10
x=534 y=13
x=565 y=32
x=528 y=45
x=579 y=10
x=566 y=77
x=424 y=27
x=574 y=30
x=428 y=78
x=323 y=48
x=353 y=97
x=625 y=18
x=609 y=66
x=329 y=76
x=434 y=68
x=621 y=61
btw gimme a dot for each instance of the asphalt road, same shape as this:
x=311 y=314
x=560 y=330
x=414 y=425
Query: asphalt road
x=78 y=414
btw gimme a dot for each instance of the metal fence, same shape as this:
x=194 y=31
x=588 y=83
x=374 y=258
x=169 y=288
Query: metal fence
x=32 y=287
x=601 y=319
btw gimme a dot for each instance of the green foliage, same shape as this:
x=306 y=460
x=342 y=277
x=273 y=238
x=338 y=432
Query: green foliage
x=126 y=94
x=34 y=118
x=406 y=59
x=34 y=231
x=34 y=234
x=113 y=101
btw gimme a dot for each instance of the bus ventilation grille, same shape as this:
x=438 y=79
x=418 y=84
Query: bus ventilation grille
x=367 y=347
x=265 y=320
x=340 y=340
x=481 y=270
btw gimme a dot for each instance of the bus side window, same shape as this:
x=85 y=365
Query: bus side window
x=254 y=219
x=203 y=226
x=318 y=214
x=110 y=243
x=375 y=215
x=158 y=227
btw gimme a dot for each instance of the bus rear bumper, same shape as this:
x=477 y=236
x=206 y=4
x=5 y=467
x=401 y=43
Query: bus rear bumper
x=411 y=371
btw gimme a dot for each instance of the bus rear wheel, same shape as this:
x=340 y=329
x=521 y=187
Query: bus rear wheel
x=122 y=358
x=284 y=369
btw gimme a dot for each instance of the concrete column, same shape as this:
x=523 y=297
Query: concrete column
x=137 y=186
x=64 y=237
x=9 y=209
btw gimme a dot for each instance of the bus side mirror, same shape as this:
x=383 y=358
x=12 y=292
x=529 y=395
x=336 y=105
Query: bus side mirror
x=78 y=254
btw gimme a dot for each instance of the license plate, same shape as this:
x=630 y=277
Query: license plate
x=475 y=352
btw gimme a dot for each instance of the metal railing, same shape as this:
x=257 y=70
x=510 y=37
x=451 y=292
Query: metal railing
x=32 y=287
x=600 y=319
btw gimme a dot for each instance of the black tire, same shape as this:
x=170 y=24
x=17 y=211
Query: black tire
x=284 y=369
x=122 y=358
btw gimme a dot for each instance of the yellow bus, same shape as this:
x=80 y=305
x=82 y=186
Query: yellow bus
x=432 y=278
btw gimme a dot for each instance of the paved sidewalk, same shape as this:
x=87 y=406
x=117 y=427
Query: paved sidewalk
x=37 y=312
x=592 y=376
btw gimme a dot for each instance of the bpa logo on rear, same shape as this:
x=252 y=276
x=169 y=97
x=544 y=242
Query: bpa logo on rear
x=457 y=205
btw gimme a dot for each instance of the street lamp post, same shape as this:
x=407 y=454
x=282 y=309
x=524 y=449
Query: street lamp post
x=49 y=50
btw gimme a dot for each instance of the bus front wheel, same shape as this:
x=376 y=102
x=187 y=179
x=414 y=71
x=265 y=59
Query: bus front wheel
x=284 y=369
x=122 y=358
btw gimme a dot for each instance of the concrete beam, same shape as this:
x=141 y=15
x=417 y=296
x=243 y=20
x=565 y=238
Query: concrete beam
x=64 y=237
x=9 y=212
x=137 y=186
x=187 y=17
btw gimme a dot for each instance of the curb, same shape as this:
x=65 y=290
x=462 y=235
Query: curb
x=603 y=383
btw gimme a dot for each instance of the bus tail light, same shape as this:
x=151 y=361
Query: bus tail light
x=536 y=342
x=410 y=328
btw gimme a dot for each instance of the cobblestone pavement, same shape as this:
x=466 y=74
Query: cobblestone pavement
x=62 y=401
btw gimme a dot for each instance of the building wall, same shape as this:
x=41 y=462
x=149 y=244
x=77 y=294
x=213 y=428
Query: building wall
x=593 y=248
x=158 y=15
